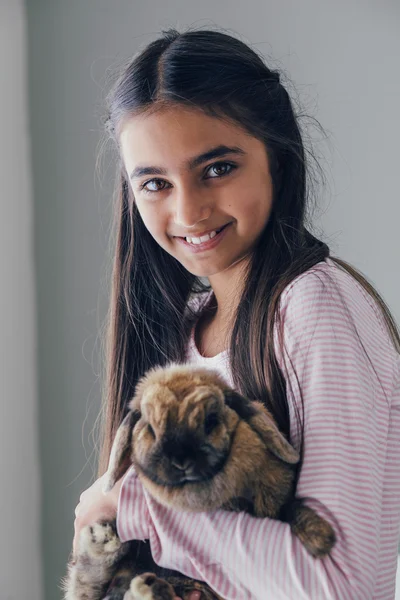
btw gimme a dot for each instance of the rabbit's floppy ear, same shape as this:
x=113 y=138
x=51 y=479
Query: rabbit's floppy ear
x=120 y=451
x=263 y=424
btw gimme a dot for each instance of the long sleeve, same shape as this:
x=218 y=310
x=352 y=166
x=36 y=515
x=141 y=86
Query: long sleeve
x=345 y=401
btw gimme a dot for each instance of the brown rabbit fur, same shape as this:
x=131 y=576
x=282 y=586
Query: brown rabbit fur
x=197 y=445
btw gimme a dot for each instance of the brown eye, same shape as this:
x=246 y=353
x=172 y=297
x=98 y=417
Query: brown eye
x=211 y=422
x=150 y=191
x=225 y=171
x=151 y=430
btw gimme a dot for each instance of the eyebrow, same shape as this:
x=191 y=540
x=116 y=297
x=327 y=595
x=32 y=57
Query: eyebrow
x=192 y=163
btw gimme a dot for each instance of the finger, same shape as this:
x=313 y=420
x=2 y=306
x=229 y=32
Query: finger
x=195 y=595
x=77 y=525
x=77 y=529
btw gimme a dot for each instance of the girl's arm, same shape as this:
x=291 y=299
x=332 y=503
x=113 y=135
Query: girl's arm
x=346 y=419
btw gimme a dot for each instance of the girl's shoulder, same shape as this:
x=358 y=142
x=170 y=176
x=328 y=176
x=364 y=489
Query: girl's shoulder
x=324 y=275
x=329 y=295
x=327 y=283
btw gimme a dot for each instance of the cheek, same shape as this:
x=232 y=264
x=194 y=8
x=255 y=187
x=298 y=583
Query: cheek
x=153 y=219
x=253 y=217
x=220 y=439
x=260 y=213
x=252 y=202
x=143 y=446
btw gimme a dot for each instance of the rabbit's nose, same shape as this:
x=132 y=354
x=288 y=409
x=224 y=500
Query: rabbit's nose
x=183 y=464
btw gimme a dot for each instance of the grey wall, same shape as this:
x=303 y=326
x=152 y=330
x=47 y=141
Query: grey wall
x=20 y=556
x=342 y=57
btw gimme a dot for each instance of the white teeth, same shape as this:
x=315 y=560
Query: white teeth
x=201 y=239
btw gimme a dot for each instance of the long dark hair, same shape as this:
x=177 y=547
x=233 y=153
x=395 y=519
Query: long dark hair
x=149 y=321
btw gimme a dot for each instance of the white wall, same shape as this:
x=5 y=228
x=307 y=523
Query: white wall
x=20 y=553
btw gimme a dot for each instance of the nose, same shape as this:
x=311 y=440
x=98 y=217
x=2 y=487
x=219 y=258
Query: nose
x=191 y=207
x=183 y=464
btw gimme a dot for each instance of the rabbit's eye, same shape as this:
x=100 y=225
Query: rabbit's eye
x=211 y=421
x=151 y=430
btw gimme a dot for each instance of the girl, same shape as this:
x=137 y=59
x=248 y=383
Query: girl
x=213 y=184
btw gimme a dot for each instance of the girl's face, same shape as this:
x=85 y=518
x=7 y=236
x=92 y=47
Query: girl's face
x=192 y=174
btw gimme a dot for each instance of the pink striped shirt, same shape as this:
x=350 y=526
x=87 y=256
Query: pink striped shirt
x=350 y=474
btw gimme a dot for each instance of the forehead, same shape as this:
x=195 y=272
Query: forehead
x=161 y=404
x=171 y=135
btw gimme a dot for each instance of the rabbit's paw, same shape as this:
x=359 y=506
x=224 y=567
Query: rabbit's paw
x=313 y=531
x=150 y=587
x=99 y=540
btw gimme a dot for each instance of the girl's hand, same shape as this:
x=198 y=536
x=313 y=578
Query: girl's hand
x=193 y=596
x=94 y=505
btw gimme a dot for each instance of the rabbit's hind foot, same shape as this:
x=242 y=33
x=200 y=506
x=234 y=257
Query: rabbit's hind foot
x=315 y=533
x=99 y=540
x=150 y=587
x=119 y=587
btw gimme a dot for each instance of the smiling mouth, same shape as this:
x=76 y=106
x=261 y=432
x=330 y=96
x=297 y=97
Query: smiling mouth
x=216 y=231
x=196 y=248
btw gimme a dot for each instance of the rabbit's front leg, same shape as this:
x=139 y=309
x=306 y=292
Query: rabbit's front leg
x=99 y=551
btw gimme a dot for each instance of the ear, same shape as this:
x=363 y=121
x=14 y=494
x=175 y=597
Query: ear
x=244 y=407
x=259 y=419
x=120 y=451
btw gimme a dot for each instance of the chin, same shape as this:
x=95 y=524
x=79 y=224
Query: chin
x=197 y=270
x=204 y=273
x=201 y=272
x=210 y=271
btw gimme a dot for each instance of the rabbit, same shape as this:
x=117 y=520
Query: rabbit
x=196 y=445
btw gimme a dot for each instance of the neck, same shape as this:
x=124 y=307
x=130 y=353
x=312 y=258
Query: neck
x=227 y=286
